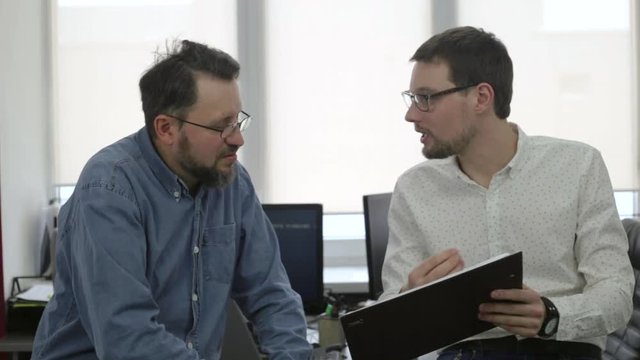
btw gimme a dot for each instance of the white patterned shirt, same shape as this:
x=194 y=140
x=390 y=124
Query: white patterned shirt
x=553 y=202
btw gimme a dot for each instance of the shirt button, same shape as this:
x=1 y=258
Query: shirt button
x=194 y=297
x=196 y=250
x=190 y=345
x=176 y=193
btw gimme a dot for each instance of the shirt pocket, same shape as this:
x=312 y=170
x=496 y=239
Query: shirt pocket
x=218 y=253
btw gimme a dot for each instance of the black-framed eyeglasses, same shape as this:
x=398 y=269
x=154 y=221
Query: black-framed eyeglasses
x=423 y=101
x=242 y=124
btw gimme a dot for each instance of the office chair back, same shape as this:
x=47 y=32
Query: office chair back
x=624 y=344
x=376 y=210
x=238 y=343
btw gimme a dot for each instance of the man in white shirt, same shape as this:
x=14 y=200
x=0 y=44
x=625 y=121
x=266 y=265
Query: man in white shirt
x=487 y=189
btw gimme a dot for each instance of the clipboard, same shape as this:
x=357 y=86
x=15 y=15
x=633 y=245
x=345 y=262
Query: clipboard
x=430 y=317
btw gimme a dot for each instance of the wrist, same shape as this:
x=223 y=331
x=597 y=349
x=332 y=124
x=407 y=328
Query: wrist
x=551 y=320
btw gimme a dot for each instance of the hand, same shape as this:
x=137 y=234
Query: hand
x=434 y=268
x=524 y=317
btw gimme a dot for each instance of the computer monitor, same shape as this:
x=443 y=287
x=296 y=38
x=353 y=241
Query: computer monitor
x=627 y=203
x=376 y=210
x=299 y=231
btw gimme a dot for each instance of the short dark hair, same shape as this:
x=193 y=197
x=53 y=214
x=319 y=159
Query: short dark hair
x=169 y=86
x=473 y=56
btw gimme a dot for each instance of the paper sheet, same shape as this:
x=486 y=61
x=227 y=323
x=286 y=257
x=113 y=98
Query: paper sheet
x=38 y=292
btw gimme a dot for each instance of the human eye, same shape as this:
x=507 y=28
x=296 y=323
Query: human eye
x=422 y=99
x=222 y=124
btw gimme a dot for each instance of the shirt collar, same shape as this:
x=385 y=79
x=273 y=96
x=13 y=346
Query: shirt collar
x=517 y=162
x=512 y=168
x=169 y=180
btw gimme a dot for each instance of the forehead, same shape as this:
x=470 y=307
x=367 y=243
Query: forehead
x=217 y=96
x=430 y=76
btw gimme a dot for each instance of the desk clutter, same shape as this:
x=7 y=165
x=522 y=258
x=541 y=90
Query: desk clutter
x=336 y=351
x=29 y=296
x=324 y=331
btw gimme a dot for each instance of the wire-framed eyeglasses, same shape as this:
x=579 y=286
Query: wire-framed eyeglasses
x=242 y=124
x=423 y=101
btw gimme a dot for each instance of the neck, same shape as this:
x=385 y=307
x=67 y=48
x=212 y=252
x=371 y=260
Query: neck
x=192 y=184
x=490 y=151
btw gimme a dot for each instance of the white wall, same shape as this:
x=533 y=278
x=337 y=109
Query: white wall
x=566 y=83
x=24 y=142
x=98 y=68
x=25 y=171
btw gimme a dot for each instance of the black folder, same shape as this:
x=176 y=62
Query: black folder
x=430 y=317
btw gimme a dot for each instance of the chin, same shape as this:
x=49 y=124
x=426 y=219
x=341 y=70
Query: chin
x=225 y=170
x=225 y=175
x=435 y=154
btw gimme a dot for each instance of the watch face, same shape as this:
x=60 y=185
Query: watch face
x=551 y=326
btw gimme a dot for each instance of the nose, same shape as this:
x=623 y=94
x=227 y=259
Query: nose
x=236 y=138
x=413 y=114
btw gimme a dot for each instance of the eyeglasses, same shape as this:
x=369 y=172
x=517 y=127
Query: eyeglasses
x=423 y=101
x=242 y=123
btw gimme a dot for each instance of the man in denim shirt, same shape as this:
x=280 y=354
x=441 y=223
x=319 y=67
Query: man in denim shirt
x=164 y=227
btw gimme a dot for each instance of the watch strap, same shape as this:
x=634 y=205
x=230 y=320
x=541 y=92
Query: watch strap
x=551 y=316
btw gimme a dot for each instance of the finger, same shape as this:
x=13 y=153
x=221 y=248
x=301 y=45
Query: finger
x=443 y=263
x=418 y=277
x=459 y=267
x=522 y=331
x=445 y=268
x=433 y=261
x=519 y=325
x=512 y=309
x=503 y=320
x=517 y=295
x=418 y=274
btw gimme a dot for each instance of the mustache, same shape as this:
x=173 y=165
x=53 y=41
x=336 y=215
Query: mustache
x=229 y=150
x=422 y=131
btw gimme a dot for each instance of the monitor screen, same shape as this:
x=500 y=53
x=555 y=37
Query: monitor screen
x=376 y=210
x=299 y=231
x=627 y=203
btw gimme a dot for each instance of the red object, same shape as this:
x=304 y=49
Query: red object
x=3 y=318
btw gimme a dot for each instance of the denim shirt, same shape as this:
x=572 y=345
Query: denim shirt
x=145 y=270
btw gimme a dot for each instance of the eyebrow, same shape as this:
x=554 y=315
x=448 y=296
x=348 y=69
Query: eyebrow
x=223 y=122
x=424 y=89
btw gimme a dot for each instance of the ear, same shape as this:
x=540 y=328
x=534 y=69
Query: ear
x=485 y=97
x=166 y=129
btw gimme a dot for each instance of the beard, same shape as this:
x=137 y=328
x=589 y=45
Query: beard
x=209 y=176
x=443 y=149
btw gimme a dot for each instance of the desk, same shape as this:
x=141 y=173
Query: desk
x=15 y=344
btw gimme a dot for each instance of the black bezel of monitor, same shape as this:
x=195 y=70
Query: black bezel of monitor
x=315 y=305
x=376 y=208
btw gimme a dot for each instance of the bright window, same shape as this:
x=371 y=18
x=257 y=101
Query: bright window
x=335 y=118
x=100 y=50
x=332 y=128
x=573 y=66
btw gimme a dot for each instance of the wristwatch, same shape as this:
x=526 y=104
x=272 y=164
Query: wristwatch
x=551 y=319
